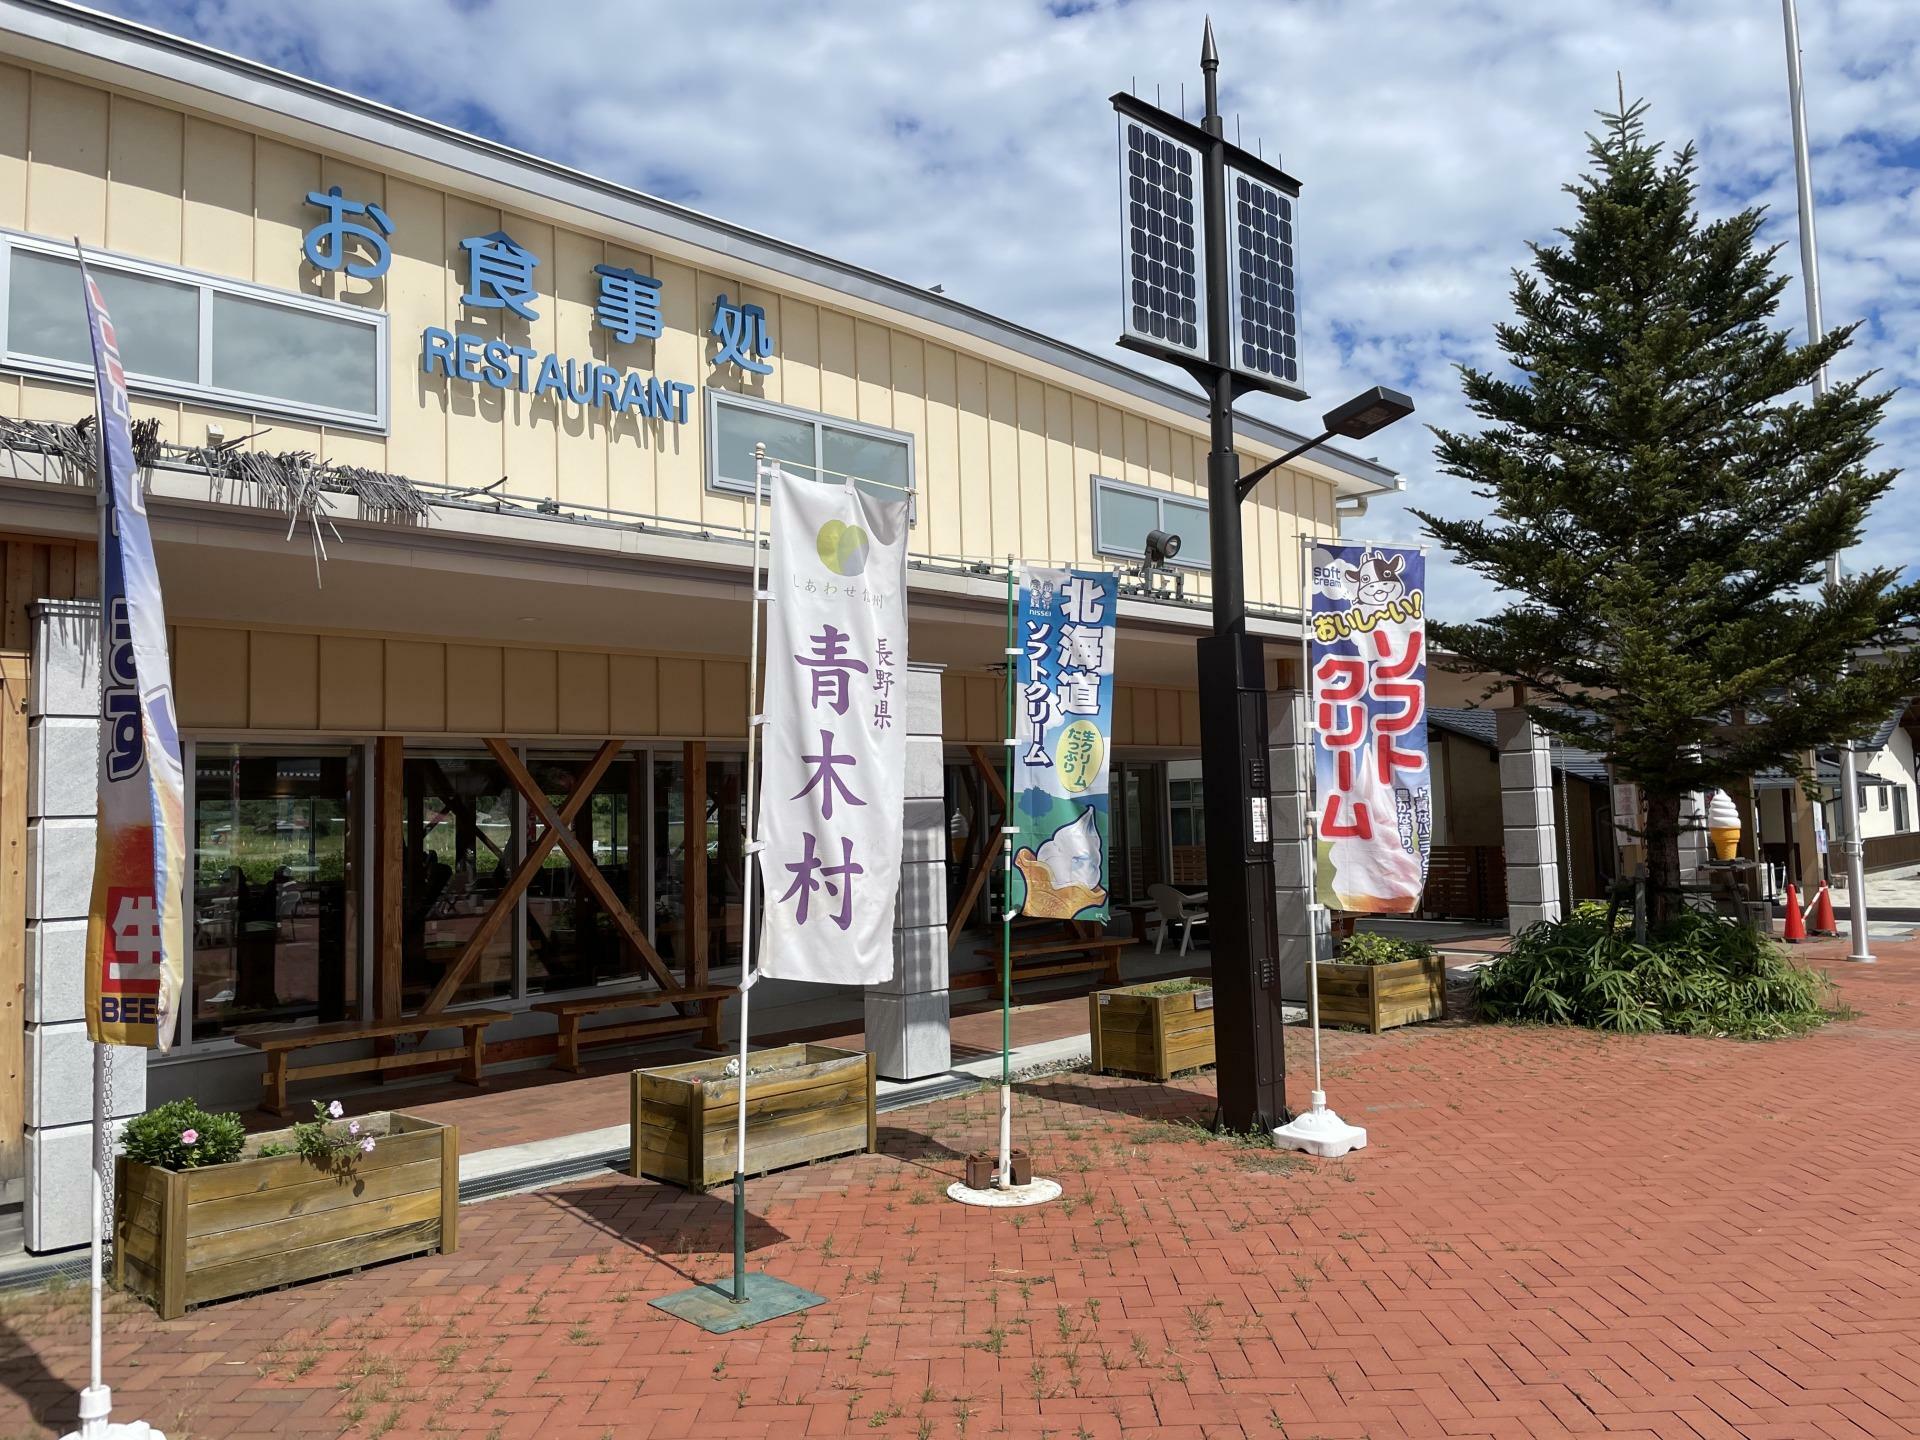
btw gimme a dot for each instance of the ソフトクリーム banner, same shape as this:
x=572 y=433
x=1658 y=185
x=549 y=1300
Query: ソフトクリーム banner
x=833 y=784
x=1063 y=737
x=1373 y=788
x=135 y=925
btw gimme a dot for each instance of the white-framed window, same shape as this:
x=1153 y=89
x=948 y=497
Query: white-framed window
x=822 y=447
x=1123 y=513
x=188 y=336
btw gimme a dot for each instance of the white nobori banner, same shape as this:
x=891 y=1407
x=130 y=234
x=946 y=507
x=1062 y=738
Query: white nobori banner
x=833 y=782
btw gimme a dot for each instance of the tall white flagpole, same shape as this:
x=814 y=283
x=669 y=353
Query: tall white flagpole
x=1850 y=846
x=1319 y=1131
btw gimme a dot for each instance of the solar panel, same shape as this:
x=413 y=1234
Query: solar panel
x=1163 y=239
x=1261 y=294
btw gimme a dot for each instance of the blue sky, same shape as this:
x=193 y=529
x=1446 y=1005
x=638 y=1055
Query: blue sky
x=971 y=145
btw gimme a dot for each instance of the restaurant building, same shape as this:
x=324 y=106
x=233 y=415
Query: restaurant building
x=451 y=472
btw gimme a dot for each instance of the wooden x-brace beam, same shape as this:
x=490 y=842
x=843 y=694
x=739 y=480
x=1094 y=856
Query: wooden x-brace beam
x=558 y=831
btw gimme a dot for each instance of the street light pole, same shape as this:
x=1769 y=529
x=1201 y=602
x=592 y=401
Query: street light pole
x=1246 y=210
x=1850 y=846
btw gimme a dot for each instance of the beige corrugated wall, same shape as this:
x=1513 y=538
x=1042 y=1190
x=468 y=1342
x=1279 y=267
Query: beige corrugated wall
x=1004 y=458
x=235 y=678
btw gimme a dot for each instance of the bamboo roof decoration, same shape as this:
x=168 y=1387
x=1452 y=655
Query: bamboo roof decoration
x=295 y=482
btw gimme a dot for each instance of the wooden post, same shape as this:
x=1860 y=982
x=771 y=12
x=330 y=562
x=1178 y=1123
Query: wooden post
x=389 y=872
x=637 y=824
x=449 y=1189
x=693 y=831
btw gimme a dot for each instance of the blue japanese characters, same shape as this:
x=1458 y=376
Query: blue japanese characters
x=1062 y=741
x=501 y=279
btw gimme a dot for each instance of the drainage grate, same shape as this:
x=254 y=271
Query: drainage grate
x=538 y=1177
x=35 y=1273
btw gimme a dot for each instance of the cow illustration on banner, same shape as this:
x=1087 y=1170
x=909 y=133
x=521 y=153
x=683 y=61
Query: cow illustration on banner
x=1372 y=782
x=1063 y=737
x=833 y=786
x=136 y=933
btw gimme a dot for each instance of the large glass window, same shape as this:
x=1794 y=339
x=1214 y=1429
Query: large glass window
x=1123 y=514
x=572 y=941
x=261 y=348
x=187 y=335
x=276 y=899
x=804 y=443
x=721 y=831
x=156 y=322
x=460 y=850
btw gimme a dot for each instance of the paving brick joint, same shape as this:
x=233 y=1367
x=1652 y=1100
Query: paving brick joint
x=1553 y=1233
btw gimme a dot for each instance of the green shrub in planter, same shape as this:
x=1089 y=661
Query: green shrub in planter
x=1364 y=947
x=179 y=1135
x=1702 y=975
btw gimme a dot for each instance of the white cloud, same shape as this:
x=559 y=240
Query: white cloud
x=972 y=145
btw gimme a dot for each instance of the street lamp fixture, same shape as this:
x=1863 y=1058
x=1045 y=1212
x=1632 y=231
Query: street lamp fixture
x=1358 y=418
x=1162 y=546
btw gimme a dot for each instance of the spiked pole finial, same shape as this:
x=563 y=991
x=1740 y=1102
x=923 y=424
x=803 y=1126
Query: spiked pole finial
x=1209 y=55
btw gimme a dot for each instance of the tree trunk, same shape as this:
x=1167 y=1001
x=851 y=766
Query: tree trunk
x=1663 y=858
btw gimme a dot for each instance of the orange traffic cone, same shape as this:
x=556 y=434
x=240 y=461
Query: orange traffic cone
x=1823 y=923
x=1796 y=928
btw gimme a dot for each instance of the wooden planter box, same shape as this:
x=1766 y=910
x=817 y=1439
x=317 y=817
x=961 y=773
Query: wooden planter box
x=1138 y=1033
x=184 y=1237
x=804 y=1102
x=1380 y=997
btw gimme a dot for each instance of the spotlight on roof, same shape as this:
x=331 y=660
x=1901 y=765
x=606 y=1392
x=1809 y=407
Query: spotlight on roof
x=1162 y=546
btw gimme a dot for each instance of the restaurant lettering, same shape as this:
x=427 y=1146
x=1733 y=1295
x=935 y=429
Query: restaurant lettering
x=500 y=277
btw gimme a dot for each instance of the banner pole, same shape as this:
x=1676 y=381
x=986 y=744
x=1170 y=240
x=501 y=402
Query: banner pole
x=1008 y=827
x=754 y=723
x=1319 y=1131
x=1314 y=907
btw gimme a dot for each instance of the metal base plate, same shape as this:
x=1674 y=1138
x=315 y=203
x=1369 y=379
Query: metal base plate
x=711 y=1307
x=1034 y=1192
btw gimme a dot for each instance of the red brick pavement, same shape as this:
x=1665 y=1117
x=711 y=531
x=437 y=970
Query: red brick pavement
x=1553 y=1234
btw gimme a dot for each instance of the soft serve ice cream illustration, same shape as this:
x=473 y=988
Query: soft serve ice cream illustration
x=1379 y=875
x=1063 y=875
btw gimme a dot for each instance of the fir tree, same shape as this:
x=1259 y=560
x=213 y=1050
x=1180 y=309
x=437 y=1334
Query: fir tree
x=1665 y=494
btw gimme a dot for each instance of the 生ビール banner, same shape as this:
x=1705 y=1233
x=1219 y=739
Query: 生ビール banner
x=1372 y=784
x=136 y=934
x=833 y=777
x=1063 y=737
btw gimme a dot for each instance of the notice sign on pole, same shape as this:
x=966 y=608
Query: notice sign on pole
x=1063 y=736
x=135 y=930
x=833 y=777
x=1373 y=787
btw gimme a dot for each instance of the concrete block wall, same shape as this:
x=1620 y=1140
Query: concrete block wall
x=908 y=1018
x=63 y=707
x=1303 y=931
x=1526 y=812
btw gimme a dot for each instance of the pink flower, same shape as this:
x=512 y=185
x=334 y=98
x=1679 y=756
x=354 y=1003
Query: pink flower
x=353 y=1127
x=366 y=1146
x=189 y=1137
x=336 y=1110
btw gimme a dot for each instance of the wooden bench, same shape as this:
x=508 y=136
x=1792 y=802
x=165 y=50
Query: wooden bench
x=1034 y=957
x=570 y=1013
x=279 y=1045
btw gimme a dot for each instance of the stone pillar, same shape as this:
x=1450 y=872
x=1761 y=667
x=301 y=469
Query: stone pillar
x=908 y=1021
x=1526 y=812
x=63 y=708
x=1302 y=931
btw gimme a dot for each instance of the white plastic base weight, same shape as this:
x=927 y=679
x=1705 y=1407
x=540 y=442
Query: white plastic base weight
x=1034 y=1192
x=1320 y=1132
x=96 y=1404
